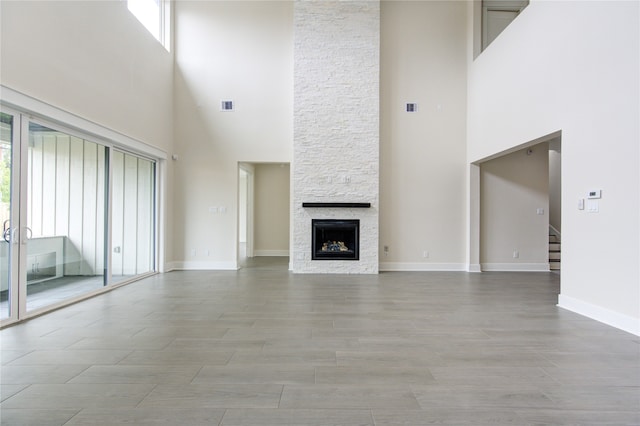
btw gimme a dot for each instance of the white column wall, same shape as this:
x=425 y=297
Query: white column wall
x=336 y=125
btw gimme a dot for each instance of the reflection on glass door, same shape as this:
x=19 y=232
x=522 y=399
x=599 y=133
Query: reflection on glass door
x=65 y=216
x=8 y=260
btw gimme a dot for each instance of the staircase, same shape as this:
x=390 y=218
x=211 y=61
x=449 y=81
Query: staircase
x=554 y=251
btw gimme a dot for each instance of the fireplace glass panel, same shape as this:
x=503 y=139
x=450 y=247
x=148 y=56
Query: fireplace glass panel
x=335 y=239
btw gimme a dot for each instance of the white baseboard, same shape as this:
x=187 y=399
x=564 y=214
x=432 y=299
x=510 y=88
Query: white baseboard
x=598 y=313
x=408 y=267
x=169 y=266
x=279 y=253
x=474 y=267
x=515 y=267
x=197 y=265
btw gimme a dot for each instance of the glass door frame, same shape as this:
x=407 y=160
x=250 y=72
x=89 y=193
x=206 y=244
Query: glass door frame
x=19 y=204
x=15 y=250
x=22 y=228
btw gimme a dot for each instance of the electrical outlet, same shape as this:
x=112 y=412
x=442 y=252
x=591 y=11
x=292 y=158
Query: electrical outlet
x=425 y=254
x=193 y=252
x=516 y=254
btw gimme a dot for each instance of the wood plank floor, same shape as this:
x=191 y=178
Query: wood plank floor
x=262 y=346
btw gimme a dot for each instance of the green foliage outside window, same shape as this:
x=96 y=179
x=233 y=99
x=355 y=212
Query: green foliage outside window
x=5 y=177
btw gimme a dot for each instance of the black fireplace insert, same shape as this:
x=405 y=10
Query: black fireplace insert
x=335 y=239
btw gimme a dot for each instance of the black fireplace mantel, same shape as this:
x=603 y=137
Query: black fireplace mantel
x=338 y=205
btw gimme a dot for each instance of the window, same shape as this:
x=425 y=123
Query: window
x=497 y=15
x=154 y=15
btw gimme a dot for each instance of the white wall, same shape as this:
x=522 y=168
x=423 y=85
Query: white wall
x=226 y=50
x=92 y=59
x=530 y=83
x=422 y=177
x=244 y=51
x=271 y=213
x=512 y=189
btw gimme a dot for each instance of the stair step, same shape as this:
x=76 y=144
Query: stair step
x=554 y=252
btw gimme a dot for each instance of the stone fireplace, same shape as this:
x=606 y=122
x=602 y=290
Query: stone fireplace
x=335 y=167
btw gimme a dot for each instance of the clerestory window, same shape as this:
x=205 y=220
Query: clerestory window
x=155 y=16
x=497 y=15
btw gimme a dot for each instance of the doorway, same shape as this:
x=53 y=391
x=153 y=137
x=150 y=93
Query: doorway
x=245 y=212
x=555 y=204
x=263 y=214
x=519 y=206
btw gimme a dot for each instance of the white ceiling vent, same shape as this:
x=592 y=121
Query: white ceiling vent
x=226 y=105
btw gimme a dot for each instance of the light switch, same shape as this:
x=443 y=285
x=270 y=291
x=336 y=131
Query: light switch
x=593 y=206
x=580 y=203
x=540 y=211
x=594 y=193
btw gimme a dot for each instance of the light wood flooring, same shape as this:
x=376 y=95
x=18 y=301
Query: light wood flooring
x=263 y=346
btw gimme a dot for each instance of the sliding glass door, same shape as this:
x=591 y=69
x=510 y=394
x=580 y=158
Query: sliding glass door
x=133 y=222
x=66 y=184
x=77 y=215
